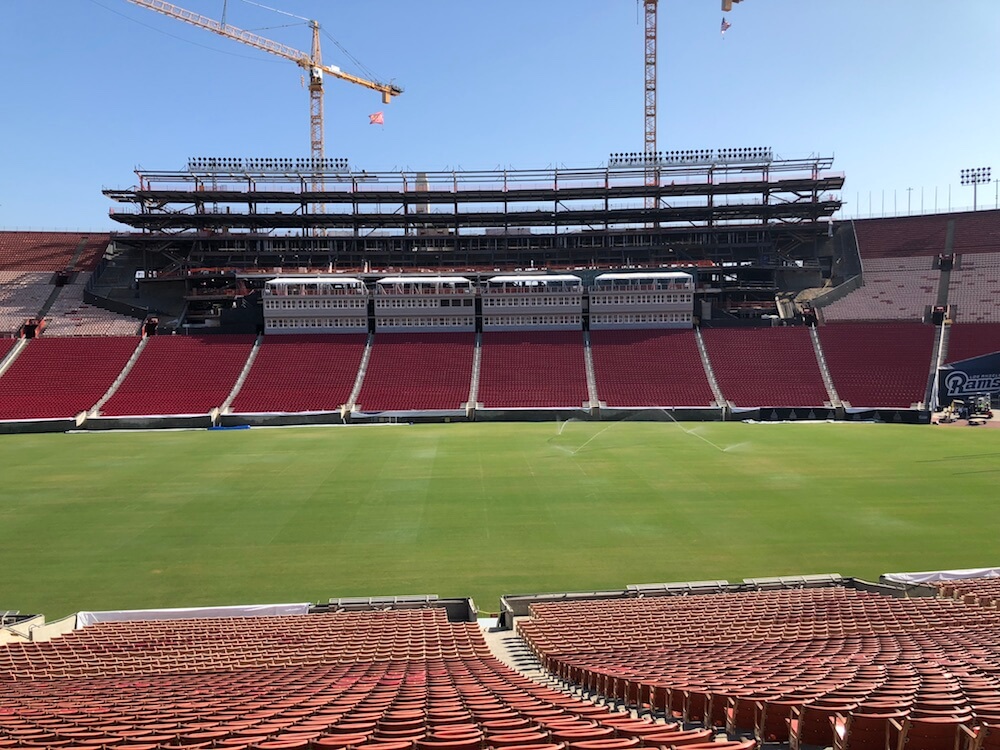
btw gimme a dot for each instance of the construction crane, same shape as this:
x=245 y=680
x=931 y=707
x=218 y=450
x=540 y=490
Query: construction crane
x=312 y=63
x=649 y=103
x=649 y=108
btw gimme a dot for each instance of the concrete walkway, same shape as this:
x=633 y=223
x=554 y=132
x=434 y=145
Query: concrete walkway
x=509 y=648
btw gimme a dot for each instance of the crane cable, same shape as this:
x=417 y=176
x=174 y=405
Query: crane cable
x=277 y=10
x=158 y=30
x=368 y=72
x=266 y=7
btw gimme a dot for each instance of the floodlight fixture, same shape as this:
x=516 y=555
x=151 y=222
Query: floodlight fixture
x=267 y=164
x=978 y=175
x=975 y=176
x=693 y=157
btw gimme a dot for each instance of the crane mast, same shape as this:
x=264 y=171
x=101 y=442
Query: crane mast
x=316 y=147
x=649 y=110
x=649 y=89
x=649 y=106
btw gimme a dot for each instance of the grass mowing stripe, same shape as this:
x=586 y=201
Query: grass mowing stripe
x=116 y=520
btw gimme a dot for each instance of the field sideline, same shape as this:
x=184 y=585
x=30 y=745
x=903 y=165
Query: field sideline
x=156 y=519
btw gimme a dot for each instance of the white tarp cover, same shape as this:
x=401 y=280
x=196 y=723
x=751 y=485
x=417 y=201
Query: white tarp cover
x=942 y=575
x=83 y=619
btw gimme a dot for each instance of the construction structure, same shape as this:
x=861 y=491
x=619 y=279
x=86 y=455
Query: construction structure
x=742 y=218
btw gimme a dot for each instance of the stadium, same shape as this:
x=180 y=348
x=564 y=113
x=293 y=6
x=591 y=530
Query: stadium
x=666 y=452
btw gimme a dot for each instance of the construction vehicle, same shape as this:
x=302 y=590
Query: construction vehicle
x=976 y=410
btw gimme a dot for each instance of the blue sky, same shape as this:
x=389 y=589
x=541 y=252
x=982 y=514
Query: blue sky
x=902 y=94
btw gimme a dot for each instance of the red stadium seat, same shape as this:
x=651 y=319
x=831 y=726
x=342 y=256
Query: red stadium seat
x=935 y=733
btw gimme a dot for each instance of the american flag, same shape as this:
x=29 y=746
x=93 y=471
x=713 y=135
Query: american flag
x=725 y=25
x=376 y=119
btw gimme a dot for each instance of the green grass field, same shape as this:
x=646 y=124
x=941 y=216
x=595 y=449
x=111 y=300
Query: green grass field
x=154 y=519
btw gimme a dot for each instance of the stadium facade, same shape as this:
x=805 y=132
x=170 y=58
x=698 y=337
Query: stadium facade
x=687 y=285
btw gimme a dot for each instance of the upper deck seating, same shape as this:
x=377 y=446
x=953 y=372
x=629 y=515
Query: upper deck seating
x=22 y=295
x=418 y=371
x=539 y=369
x=301 y=373
x=50 y=251
x=61 y=377
x=977 y=232
x=766 y=366
x=71 y=316
x=181 y=375
x=974 y=288
x=649 y=368
x=878 y=365
x=967 y=340
x=902 y=236
x=894 y=289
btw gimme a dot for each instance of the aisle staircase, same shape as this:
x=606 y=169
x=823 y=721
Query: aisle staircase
x=477 y=358
x=360 y=380
x=720 y=399
x=227 y=405
x=96 y=409
x=831 y=389
x=588 y=359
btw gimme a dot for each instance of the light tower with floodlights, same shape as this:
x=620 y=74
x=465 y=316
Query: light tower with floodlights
x=976 y=176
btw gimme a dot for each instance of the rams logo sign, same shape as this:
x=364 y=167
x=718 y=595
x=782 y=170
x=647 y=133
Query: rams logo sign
x=958 y=383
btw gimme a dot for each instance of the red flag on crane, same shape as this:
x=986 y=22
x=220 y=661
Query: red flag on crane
x=376 y=119
x=725 y=25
